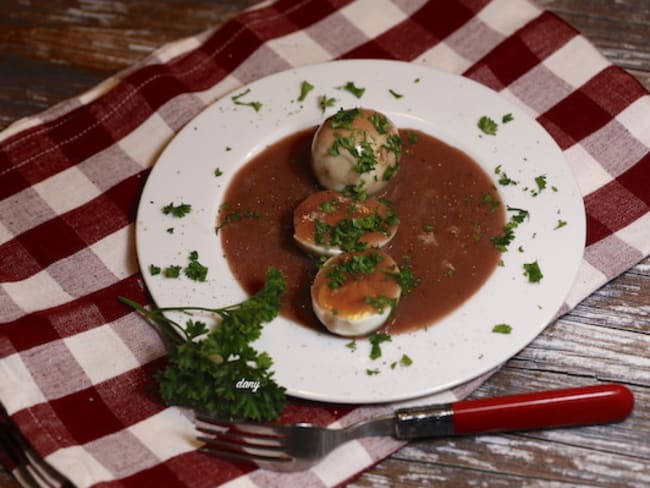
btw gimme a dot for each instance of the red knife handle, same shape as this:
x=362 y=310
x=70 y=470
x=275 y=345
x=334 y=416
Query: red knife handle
x=585 y=405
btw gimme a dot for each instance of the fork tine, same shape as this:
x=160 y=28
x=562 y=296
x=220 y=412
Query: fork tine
x=250 y=428
x=266 y=451
x=248 y=458
x=244 y=438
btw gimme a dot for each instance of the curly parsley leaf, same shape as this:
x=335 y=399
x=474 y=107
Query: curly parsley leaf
x=203 y=373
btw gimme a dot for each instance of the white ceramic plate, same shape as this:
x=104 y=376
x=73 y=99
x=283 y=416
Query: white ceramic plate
x=458 y=348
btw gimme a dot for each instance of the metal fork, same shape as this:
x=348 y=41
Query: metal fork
x=299 y=446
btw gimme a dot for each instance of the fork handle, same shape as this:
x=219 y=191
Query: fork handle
x=585 y=405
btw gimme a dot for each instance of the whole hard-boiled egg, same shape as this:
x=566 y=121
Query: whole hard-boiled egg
x=356 y=148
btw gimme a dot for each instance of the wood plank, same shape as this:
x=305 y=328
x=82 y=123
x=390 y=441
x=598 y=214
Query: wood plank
x=619 y=29
x=613 y=455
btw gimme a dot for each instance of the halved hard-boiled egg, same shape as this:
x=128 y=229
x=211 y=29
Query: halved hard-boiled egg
x=356 y=148
x=354 y=294
x=328 y=223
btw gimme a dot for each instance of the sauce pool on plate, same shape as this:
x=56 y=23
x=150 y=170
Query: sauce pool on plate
x=447 y=206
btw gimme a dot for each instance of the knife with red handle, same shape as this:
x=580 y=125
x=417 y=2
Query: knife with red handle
x=586 y=405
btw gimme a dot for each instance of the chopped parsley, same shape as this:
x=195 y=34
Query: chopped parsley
x=560 y=223
x=376 y=340
x=305 y=88
x=502 y=329
x=491 y=202
x=236 y=217
x=487 y=125
x=372 y=372
x=507 y=118
x=237 y=101
x=390 y=172
x=353 y=89
x=195 y=270
x=381 y=302
x=502 y=241
x=404 y=361
x=204 y=364
x=405 y=278
x=218 y=172
x=394 y=93
x=324 y=102
x=540 y=181
x=361 y=150
x=357 y=192
x=412 y=137
x=380 y=123
x=329 y=206
x=180 y=210
x=172 y=271
x=394 y=145
x=346 y=233
x=504 y=179
x=343 y=118
x=353 y=267
x=533 y=272
x=352 y=345
x=154 y=270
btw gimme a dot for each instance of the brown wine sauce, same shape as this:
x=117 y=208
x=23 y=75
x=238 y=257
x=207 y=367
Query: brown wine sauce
x=447 y=206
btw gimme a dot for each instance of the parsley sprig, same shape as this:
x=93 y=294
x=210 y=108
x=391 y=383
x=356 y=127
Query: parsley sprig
x=206 y=364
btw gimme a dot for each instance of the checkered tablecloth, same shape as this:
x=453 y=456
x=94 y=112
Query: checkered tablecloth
x=76 y=366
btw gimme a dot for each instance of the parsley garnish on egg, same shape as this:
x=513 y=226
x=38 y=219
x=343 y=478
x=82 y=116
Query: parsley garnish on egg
x=353 y=268
x=346 y=234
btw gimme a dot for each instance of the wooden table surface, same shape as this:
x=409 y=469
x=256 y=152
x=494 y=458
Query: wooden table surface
x=54 y=49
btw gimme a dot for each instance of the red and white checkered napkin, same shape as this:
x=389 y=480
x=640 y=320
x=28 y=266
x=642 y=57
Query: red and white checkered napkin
x=76 y=366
